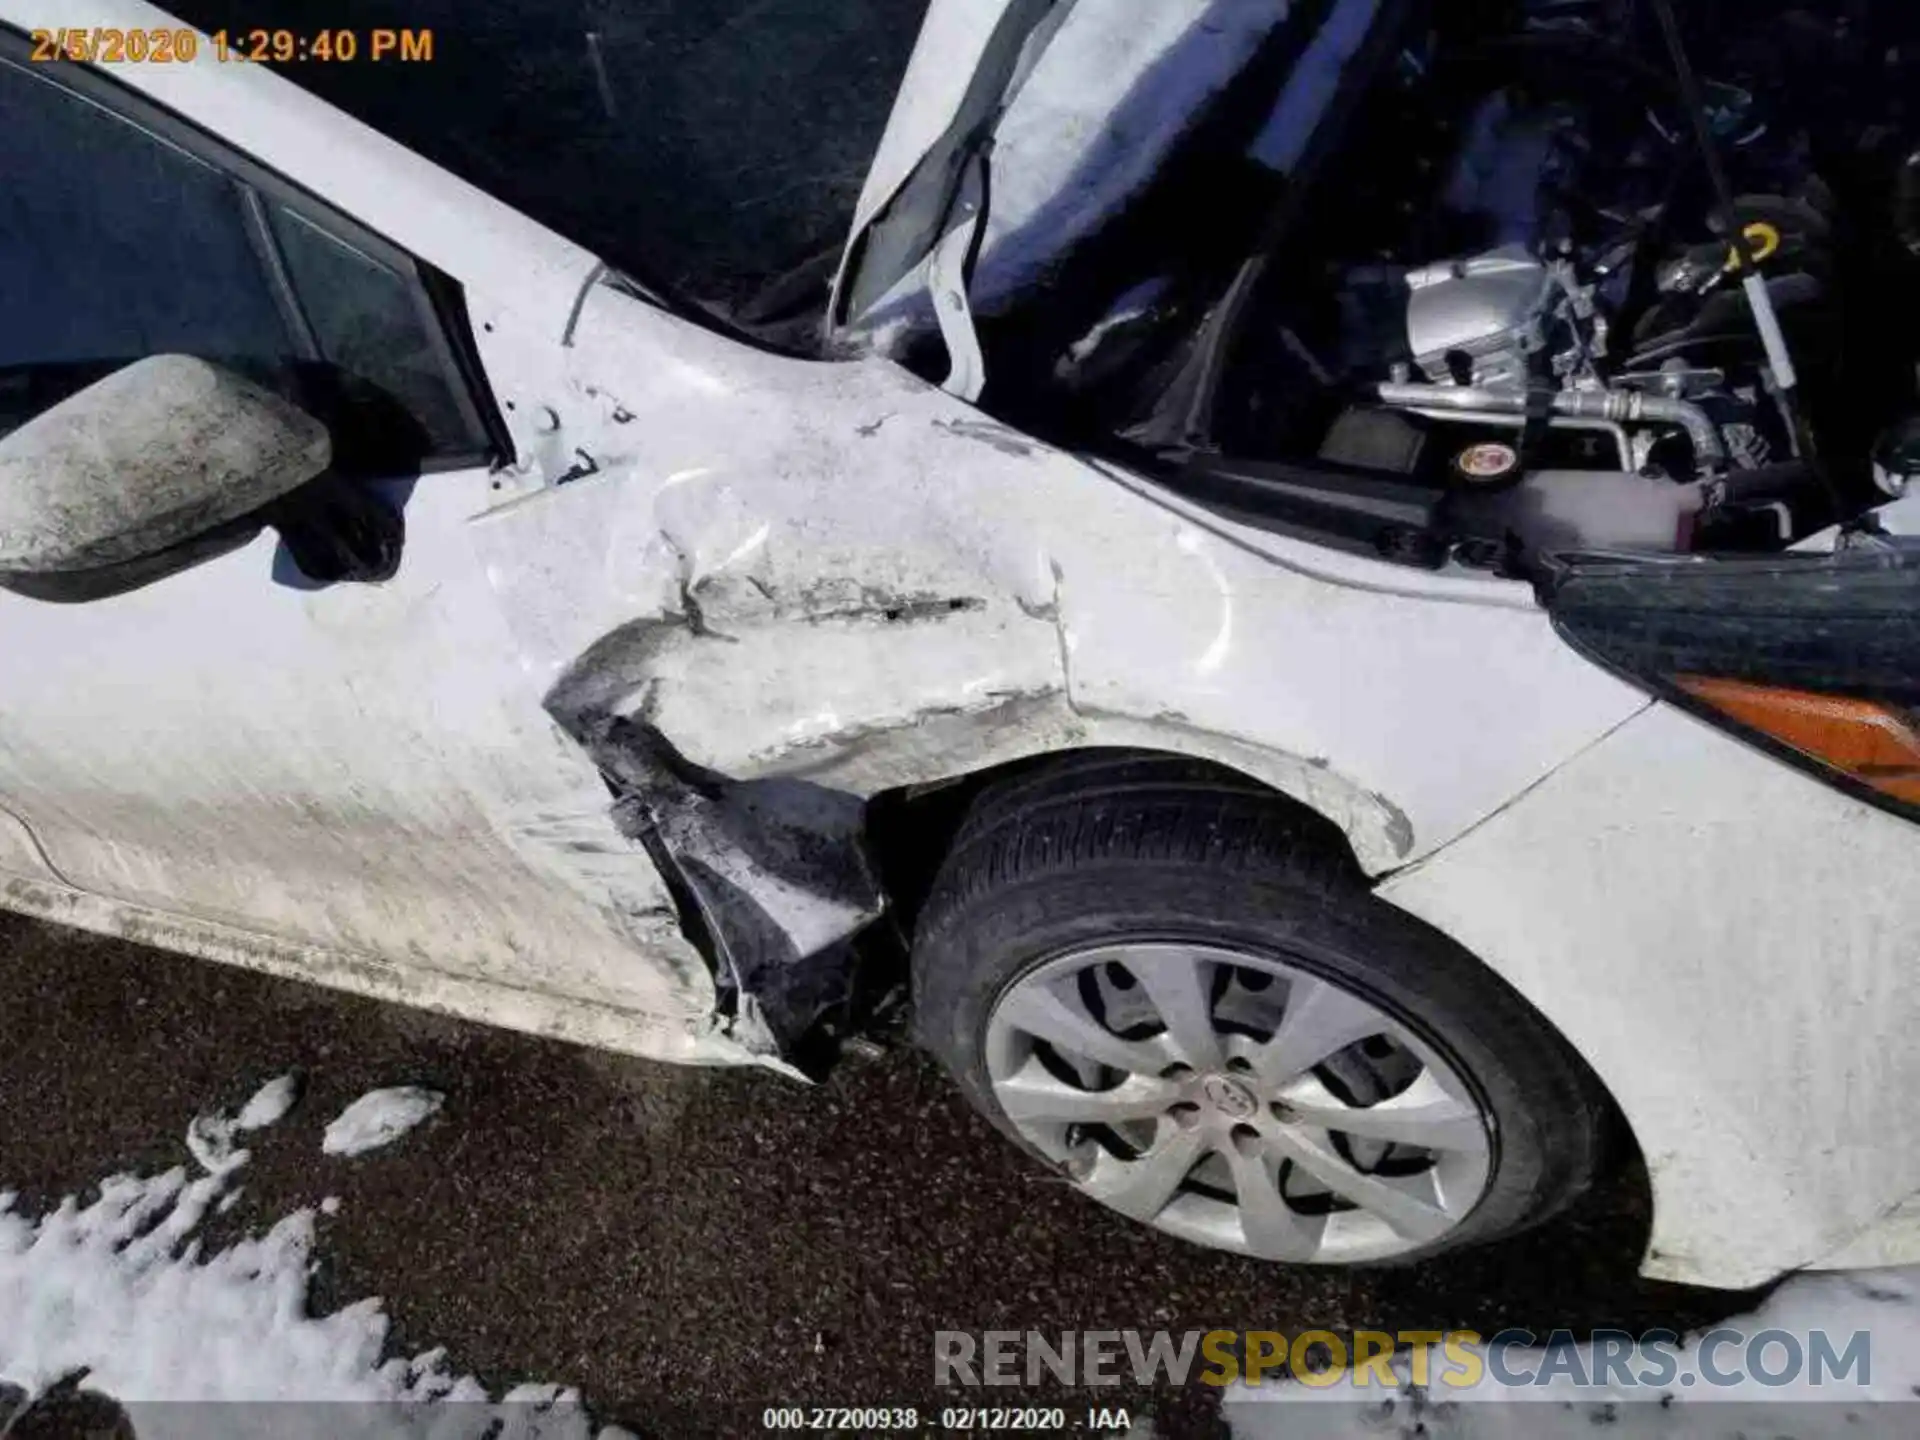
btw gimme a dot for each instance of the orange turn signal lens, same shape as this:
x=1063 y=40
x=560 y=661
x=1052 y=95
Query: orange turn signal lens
x=1874 y=744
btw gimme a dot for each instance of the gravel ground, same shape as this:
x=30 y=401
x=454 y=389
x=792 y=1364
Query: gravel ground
x=674 y=1241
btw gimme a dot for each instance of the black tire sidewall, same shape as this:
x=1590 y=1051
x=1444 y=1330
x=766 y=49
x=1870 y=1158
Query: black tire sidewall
x=1547 y=1116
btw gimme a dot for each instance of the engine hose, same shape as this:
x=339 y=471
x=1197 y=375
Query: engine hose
x=1787 y=482
x=1623 y=406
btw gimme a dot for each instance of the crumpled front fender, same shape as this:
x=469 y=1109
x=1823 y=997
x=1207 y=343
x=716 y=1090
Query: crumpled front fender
x=780 y=588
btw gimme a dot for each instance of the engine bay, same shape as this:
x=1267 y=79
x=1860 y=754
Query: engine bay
x=1533 y=278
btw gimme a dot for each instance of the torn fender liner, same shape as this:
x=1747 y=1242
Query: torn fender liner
x=772 y=876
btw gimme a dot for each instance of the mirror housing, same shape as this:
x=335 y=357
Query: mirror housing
x=160 y=453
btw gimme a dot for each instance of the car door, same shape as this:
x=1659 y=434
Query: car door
x=350 y=780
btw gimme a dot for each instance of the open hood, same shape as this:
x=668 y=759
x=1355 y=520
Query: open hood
x=970 y=59
x=1022 y=128
x=1439 y=284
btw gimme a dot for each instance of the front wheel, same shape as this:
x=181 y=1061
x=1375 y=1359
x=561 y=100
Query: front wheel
x=1162 y=981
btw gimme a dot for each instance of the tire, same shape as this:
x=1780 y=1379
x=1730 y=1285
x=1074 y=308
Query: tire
x=1171 y=857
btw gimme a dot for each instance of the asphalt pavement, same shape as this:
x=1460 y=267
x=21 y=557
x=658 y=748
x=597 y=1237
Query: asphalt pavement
x=685 y=1245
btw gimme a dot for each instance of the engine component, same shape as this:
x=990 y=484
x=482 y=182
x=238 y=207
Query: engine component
x=1480 y=321
x=1749 y=249
x=1566 y=426
x=1375 y=439
x=1545 y=253
x=1595 y=237
x=1896 y=458
x=1487 y=463
x=1786 y=236
x=1566 y=511
x=1628 y=406
x=1906 y=204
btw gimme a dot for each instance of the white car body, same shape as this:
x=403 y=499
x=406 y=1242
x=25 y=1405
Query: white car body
x=858 y=580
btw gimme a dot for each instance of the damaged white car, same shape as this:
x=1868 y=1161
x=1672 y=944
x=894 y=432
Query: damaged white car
x=1317 y=585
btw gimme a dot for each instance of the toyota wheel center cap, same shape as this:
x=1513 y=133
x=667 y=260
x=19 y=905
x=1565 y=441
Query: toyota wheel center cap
x=1229 y=1097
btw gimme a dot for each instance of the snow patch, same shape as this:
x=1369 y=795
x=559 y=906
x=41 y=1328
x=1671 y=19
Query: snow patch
x=118 y=1289
x=210 y=1137
x=270 y=1103
x=210 y=1141
x=379 y=1118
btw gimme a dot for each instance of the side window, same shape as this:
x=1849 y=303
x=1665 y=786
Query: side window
x=118 y=241
x=364 y=318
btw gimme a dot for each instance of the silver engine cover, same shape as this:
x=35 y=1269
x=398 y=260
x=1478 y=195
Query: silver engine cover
x=1487 y=312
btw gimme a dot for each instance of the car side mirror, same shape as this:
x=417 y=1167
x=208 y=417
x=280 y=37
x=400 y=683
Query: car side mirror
x=156 y=456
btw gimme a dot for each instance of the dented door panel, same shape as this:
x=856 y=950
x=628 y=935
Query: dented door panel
x=355 y=784
x=358 y=768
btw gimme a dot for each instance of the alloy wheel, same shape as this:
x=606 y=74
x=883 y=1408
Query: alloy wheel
x=1239 y=1101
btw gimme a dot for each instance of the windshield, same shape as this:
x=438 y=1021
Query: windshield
x=713 y=149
